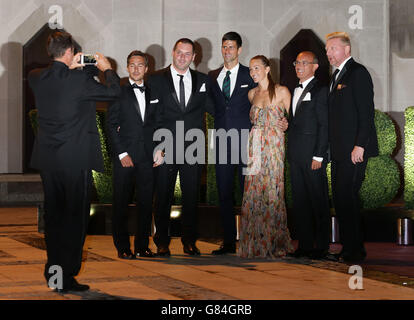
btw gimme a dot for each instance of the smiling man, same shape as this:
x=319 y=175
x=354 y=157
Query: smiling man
x=180 y=95
x=131 y=125
x=307 y=156
x=230 y=85
x=352 y=138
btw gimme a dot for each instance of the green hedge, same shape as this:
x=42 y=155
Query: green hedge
x=409 y=158
x=382 y=178
x=103 y=180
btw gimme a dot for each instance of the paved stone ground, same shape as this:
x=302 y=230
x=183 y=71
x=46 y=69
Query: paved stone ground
x=181 y=277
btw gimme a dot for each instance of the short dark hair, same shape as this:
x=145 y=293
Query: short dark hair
x=233 y=36
x=184 y=40
x=58 y=42
x=139 y=54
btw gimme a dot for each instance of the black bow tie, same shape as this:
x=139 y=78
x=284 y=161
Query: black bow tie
x=299 y=86
x=141 y=88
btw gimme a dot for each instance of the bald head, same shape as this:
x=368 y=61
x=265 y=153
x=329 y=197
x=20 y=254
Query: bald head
x=305 y=65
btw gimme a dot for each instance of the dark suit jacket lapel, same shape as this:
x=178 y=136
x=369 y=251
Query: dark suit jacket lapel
x=147 y=104
x=238 y=83
x=134 y=101
x=302 y=96
x=194 y=83
x=341 y=74
x=171 y=87
x=216 y=84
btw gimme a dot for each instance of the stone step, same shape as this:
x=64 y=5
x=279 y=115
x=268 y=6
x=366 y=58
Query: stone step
x=20 y=189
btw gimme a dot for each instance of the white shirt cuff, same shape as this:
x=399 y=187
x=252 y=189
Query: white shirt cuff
x=319 y=159
x=122 y=155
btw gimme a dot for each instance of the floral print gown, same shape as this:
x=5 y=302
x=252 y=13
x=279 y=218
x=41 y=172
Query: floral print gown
x=264 y=231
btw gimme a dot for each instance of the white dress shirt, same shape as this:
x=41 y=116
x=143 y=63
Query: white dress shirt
x=298 y=92
x=233 y=77
x=140 y=97
x=141 y=102
x=187 y=83
x=296 y=95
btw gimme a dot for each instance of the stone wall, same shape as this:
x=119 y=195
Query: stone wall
x=115 y=27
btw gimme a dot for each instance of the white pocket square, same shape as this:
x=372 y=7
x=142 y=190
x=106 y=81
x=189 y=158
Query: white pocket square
x=203 y=87
x=244 y=86
x=154 y=101
x=307 y=97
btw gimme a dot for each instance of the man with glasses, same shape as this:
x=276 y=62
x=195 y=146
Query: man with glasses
x=307 y=155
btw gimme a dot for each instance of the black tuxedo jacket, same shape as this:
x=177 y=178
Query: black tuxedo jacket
x=126 y=129
x=308 y=128
x=351 y=113
x=235 y=113
x=67 y=136
x=164 y=98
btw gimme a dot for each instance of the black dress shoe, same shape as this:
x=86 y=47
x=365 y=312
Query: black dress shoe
x=191 y=249
x=128 y=255
x=72 y=285
x=335 y=257
x=144 y=253
x=224 y=249
x=163 y=251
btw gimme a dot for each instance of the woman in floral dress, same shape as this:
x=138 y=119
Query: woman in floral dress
x=264 y=231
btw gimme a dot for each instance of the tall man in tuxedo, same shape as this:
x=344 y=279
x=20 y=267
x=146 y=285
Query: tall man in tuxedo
x=229 y=87
x=131 y=125
x=66 y=149
x=180 y=95
x=307 y=155
x=352 y=138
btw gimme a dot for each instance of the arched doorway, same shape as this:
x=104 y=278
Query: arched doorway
x=304 y=40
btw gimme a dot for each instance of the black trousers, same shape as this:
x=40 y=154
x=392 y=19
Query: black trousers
x=310 y=205
x=225 y=186
x=124 y=179
x=190 y=184
x=67 y=206
x=347 y=179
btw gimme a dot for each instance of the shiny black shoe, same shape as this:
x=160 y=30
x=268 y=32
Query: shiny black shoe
x=72 y=286
x=191 y=249
x=144 y=253
x=224 y=249
x=127 y=255
x=163 y=251
x=334 y=257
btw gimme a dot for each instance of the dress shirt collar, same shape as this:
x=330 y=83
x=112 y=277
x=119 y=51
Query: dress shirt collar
x=132 y=82
x=343 y=63
x=306 y=82
x=174 y=72
x=233 y=71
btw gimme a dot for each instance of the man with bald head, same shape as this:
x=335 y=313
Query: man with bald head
x=307 y=156
x=352 y=138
